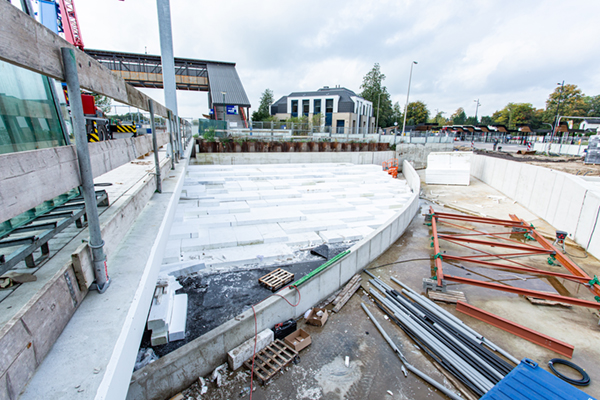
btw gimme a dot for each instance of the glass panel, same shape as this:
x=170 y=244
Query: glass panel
x=27 y=110
x=317 y=107
x=305 y=107
x=329 y=105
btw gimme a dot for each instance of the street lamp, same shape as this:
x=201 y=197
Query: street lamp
x=407 y=94
x=476 y=109
x=378 y=104
x=224 y=106
x=562 y=86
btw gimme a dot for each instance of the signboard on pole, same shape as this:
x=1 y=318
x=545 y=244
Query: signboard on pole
x=232 y=110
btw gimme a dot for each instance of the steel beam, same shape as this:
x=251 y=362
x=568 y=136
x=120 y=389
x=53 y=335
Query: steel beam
x=439 y=273
x=524 y=292
x=524 y=247
x=517 y=268
x=523 y=332
x=483 y=220
x=564 y=260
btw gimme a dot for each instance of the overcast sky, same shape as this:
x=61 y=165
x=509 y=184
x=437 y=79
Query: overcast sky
x=497 y=51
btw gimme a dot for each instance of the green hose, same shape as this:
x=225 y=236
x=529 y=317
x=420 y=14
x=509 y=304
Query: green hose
x=319 y=269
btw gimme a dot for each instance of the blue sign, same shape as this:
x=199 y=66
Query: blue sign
x=232 y=110
x=211 y=111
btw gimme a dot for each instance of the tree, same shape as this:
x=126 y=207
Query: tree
x=471 y=121
x=264 y=109
x=517 y=113
x=572 y=103
x=396 y=112
x=417 y=113
x=439 y=119
x=592 y=106
x=487 y=120
x=103 y=103
x=459 y=117
x=373 y=91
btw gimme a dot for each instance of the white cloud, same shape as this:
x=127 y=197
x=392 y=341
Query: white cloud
x=497 y=51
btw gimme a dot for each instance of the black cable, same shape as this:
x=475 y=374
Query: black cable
x=585 y=378
x=398 y=262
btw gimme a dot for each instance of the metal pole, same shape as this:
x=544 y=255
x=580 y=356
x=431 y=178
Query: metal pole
x=476 y=109
x=407 y=94
x=562 y=85
x=414 y=370
x=167 y=57
x=378 y=107
x=170 y=127
x=85 y=169
x=155 y=145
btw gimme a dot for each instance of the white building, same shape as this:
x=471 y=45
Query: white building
x=341 y=109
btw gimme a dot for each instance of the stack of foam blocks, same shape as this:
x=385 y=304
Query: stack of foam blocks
x=168 y=314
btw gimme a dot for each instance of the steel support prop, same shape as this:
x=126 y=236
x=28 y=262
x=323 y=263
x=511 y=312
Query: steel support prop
x=524 y=247
x=155 y=146
x=524 y=292
x=564 y=260
x=484 y=220
x=96 y=243
x=528 y=334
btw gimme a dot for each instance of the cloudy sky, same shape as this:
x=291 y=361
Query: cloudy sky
x=497 y=51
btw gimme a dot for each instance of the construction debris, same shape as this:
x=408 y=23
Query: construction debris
x=298 y=340
x=345 y=295
x=217 y=374
x=450 y=296
x=317 y=317
x=168 y=314
x=237 y=356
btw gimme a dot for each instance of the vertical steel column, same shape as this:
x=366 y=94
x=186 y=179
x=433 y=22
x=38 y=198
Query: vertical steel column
x=155 y=146
x=171 y=140
x=85 y=169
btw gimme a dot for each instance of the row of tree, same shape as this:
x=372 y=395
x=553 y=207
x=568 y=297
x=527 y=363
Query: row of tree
x=567 y=100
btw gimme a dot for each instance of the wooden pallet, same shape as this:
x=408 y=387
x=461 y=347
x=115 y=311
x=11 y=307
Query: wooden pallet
x=270 y=360
x=275 y=280
x=450 y=296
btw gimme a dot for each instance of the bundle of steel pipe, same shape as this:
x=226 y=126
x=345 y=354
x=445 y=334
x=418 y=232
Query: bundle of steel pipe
x=464 y=353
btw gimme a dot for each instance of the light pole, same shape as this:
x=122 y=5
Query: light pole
x=407 y=94
x=562 y=85
x=476 y=109
x=378 y=105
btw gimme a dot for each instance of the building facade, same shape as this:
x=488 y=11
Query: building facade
x=340 y=110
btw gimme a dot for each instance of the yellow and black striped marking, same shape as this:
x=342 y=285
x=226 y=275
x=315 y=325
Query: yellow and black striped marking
x=127 y=128
x=93 y=136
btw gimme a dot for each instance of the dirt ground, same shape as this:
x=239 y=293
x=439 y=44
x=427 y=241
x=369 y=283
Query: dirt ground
x=568 y=164
x=374 y=371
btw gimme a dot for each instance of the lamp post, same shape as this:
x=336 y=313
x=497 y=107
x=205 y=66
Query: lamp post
x=378 y=105
x=476 y=109
x=407 y=94
x=562 y=86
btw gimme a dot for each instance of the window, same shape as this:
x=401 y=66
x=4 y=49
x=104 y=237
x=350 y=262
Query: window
x=305 y=107
x=27 y=110
x=340 y=126
x=317 y=106
x=294 y=108
x=329 y=105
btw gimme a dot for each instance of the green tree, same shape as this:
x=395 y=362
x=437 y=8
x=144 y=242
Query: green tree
x=592 y=106
x=439 y=119
x=459 y=117
x=376 y=93
x=396 y=113
x=487 y=120
x=264 y=109
x=517 y=113
x=103 y=103
x=572 y=103
x=417 y=113
x=471 y=121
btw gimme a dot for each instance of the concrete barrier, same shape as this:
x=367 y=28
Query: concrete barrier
x=417 y=153
x=567 y=149
x=179 y=369
x=359 y=157
x=567 y=202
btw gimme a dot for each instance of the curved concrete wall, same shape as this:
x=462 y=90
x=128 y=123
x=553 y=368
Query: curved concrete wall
x=179 y=369
x=567 y=202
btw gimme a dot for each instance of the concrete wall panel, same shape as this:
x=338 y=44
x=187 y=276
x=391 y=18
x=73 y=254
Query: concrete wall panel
x=543 y=185
x=588 y=218
x=512 y=175
x=525 y=184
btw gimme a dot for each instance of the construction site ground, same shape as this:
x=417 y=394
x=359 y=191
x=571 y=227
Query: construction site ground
x=374 y=371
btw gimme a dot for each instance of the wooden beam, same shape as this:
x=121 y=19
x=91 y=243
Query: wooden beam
x=28 y=44
x=25 y=175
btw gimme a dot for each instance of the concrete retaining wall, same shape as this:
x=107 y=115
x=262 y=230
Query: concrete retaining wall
x=181 y=368
x=567 y=202
x=360 y=157
x=567 y=149
x=417 y=153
